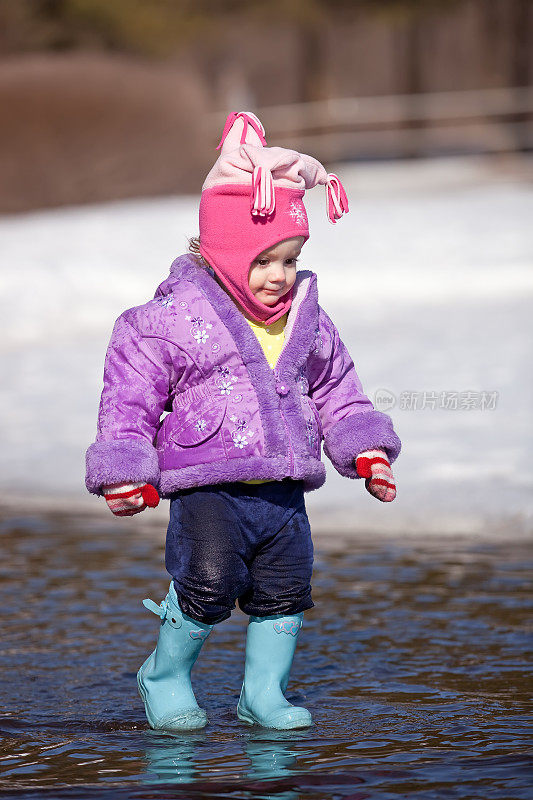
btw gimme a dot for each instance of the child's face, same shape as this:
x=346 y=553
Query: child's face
x=273 y=272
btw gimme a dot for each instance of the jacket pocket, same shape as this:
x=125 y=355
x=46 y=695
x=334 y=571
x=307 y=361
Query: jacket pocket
x=197 y=415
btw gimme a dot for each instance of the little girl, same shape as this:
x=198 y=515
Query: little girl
x=254 y=376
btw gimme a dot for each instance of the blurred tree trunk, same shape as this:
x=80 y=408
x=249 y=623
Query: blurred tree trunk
x=412 y=77
x=413 y=83
x=311 y=61
x=519 y=67
x=522 y=41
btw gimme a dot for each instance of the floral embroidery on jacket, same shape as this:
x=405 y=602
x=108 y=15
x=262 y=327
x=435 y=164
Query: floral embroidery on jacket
x=199 y=328
x=200 y=336
x=319 y=341
x=311 y=435
x=302 y=380
x=225 y=379
x=165 y=300
x=242 y=433
x=226 y=387
x=196 y=322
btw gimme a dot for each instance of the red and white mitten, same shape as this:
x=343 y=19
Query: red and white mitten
x=375 y=467
x=126 y=499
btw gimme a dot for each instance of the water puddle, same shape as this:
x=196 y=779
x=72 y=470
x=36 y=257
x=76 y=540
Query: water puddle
x=414 y=664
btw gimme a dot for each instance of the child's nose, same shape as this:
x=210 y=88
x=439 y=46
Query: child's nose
x=277 y=273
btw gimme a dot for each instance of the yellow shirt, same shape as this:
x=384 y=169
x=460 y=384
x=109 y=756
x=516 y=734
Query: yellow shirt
x=271 y=338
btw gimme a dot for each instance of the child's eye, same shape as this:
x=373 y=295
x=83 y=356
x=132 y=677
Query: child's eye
x=263 y=262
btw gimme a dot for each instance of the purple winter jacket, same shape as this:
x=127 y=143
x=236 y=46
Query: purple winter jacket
x=191 y=352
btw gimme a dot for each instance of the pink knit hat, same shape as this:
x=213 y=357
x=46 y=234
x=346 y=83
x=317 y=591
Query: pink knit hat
x=251 y=200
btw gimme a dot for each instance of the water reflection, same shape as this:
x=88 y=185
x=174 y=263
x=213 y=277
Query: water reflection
x=271 y=754
x=270 y=767
x=414 y=663
x=177 y=758
x=171 y=758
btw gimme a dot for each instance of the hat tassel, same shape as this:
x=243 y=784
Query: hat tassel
x=263 y=200
x=336 y=199
x=249 y=119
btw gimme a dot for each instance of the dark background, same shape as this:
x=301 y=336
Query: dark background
x=102 y=100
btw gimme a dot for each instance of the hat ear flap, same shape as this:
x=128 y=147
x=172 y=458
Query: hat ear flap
x=242 y=127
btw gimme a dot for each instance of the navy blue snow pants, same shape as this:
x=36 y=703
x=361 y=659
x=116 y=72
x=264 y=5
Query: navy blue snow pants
x=249 y=543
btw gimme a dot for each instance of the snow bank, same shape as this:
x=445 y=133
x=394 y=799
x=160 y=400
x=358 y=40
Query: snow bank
x=429 y=280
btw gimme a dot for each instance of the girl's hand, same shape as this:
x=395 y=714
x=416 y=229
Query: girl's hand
x=375 y=467
x=126 y=499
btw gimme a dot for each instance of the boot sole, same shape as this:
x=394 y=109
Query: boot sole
x=304 y=721
x=189 y=720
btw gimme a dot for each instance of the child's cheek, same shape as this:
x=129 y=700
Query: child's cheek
x=256 y=284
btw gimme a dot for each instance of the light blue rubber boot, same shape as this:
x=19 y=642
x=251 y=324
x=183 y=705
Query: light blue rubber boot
x=164 y=679
x=270 y=646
